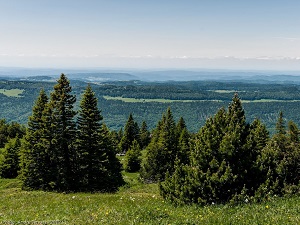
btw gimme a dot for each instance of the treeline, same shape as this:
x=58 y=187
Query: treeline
x=115 y=112
x=200 y=90
x=228 y=160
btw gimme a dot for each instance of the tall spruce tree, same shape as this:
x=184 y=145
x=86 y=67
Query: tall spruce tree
x=34 y=155
x=91 y=156
x=63 y=130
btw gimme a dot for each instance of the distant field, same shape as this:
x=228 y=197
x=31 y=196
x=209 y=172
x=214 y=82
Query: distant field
x=12 y=92
x=225 y=91
x=153 y=100
x=269 y=100
x=135 y=100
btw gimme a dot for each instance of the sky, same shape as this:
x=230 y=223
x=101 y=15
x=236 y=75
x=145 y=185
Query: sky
x=189 y=34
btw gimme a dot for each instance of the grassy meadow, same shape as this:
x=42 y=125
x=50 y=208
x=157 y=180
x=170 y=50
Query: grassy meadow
x=160 y=100
x=135 y=203
x=12 y=92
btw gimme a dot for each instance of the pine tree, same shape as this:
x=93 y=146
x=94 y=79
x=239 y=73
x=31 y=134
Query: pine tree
x=183 y=154
x=34 y=156
x=94 y=148
x=133 y=158
x=280 y=161
x=131 y=132
x=144 y=135
x=3 y=133
x=9 y=167
x=64 y=133
x=183 y=141
x=280 y=127
x=114 y=177
x=257 y=140
x=293 y=132
x=10 y=130
x=180 y=126
x=162 y=150
x=90 y=157
x=221 y=160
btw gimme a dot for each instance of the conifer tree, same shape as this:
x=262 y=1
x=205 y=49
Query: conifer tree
x=131 y=132
x=280 y=127
x=133 y=158
x=220 y=160
x=144 y=135
x=183 y=154
x=95 y=157
x=3 y=133
x=180 y=126
x=49 y=160
x=280 y=161
x=91 y=158
x=114 y=177
x=257 y=140
x=293 y=132
x=9 y=167
x=34 y=156
x=162 y=150
x=63 y=130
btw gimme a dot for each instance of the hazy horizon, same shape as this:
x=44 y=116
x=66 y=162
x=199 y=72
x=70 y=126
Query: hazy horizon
x=132 y=34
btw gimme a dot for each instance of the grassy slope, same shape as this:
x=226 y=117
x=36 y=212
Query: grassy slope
x=135 y=204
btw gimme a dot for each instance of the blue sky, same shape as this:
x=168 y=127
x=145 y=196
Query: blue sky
x=217 y=34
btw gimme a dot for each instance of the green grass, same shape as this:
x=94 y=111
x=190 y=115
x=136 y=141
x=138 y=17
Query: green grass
x=135 y=203
x=12 y=92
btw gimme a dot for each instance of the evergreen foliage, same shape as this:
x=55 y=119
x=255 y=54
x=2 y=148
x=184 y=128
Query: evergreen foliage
x=93 y=169
x=228 y=160
x=91 y=158
x=58 y=155
x=9 y=165
x=144 y=135
x=131 y=133
x=114 y=178
x=10 y=130
x=35 y=156
x=64 y=133
x=280 y=161
x=162 y=151
x=133 y=158
x=221 y=160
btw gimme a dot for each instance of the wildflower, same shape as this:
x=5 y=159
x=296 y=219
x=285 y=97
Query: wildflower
x=267 y=206
x=73 y=197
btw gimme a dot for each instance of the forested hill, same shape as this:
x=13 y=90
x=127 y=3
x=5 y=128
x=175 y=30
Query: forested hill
x=194 y=100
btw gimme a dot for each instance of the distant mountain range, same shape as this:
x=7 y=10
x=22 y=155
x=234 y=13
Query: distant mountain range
x=94 y=75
